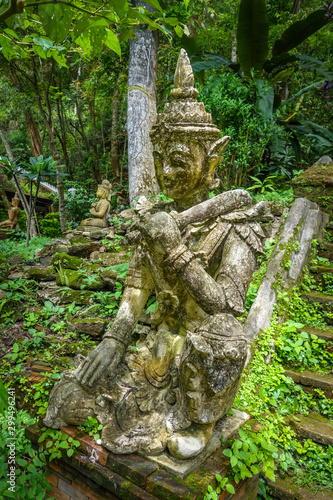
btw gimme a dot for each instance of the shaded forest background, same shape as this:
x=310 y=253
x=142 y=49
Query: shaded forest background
x=279 y=124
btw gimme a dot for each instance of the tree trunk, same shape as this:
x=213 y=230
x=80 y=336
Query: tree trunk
x=21 y=195
x=296 y=6
x=141 y=111
x=234 y=48
x=114 y=132
x=3 y=193
x=96 y=170
x=48 y=123
x=36 y=141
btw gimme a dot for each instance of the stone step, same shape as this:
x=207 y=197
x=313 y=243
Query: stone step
x=319 y=332
x=326 y=250
x=309 y=381
x=326 y=302
x=314 y=427
x=285 y=489
x=323 y=276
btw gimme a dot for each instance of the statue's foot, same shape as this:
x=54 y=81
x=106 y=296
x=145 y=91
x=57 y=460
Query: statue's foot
x=191 y=442
x=131 y=441
x=69 y=404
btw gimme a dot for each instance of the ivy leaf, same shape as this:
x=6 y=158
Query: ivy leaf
x=230 y=489
x=233 y=461
x=59 y=58
x=186 y=2
x=227 y=452
x=56 y=20
x=179 y=31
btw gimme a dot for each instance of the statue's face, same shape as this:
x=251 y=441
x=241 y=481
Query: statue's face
x=100 y=193
x=179 y=167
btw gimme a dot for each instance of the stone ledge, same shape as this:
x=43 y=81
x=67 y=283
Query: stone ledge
x=130 y=477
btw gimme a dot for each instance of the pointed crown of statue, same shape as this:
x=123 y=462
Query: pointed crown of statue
x=184 y=115
x=106 y=187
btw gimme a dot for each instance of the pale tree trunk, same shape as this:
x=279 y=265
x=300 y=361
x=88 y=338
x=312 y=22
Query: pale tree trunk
x=234 y=49
x=21 y=195
x=114 y=134
x=141 y=111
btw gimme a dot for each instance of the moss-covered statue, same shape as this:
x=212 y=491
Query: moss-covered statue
x=13 y=215
x=169 y=393
x=98 y=210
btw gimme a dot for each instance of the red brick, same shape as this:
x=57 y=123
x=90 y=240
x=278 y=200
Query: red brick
x=99 y=452
x=59 y=495
x=52 y=479
x=53 y=465
x=70 y=430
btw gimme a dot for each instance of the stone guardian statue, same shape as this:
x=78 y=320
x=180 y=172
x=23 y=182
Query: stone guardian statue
x=168 y=393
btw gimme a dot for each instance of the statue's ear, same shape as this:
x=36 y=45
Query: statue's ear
x=214 y=153
x=219 y=146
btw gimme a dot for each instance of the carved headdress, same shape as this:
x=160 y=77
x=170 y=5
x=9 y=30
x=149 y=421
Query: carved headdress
x=184 y=116
x=106 y=187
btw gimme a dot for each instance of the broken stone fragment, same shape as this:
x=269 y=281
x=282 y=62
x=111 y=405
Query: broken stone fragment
x=94 y=327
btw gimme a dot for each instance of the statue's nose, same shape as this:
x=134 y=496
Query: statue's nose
x=167 y=169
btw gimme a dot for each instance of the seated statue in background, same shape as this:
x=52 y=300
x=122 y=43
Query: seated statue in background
x=99 y=210
x=169 y=392
x=13 y=215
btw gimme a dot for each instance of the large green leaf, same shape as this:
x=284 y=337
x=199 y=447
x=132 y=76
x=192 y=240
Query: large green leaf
x=120 y=6
x=252 y=35
x=56 y=20
x=300 y=31
x=265 y=97
x=111 y=41
x=214 y=61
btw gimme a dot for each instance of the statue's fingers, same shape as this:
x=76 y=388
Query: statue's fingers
x=85 y=367
x=93 y=373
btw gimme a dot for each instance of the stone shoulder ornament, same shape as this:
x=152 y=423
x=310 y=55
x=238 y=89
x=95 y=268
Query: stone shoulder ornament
x=168 y=395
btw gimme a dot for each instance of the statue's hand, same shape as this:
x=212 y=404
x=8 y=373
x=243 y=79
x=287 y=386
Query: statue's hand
x=161 y=234
x=102 y=360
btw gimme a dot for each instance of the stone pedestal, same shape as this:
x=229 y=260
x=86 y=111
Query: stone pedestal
x=97 y=474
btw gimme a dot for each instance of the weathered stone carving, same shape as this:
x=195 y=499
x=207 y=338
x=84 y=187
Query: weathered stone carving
x=98 y=210
x=184 y=375
x=13 y=215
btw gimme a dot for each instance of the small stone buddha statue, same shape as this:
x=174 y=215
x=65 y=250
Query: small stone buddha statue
x=168 y=393
x=13 y=215
x=99 y=210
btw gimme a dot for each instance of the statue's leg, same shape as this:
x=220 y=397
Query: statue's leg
x=211 y=364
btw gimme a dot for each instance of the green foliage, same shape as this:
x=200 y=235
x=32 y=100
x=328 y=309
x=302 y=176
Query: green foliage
x=252 y=35
x=56 y=442
x=301 y=349
x=78 y=204
x=30 y=466
x=91 y=426
x=17 y=247
x=50 y=225
x=235 y=110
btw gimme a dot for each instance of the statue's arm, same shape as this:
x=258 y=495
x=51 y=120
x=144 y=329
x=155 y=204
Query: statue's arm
x=106 y=357
x=164 y=240
x=104 y=206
